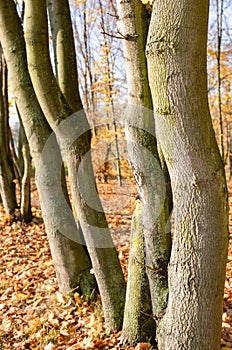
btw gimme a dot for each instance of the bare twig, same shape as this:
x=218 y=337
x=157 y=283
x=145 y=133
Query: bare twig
x=115 y=16
x=109 y=34
x=125 y=37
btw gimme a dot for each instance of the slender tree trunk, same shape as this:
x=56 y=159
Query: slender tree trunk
x=109 y=93
x=219 y=13
x=25 y=185
x=14 y=156
x=140 y=133
x=25 y=205
x=70 y=259
x=7 y=176
x=176 y=53
x=74 y=136
x=63 y=44
x=138 y=322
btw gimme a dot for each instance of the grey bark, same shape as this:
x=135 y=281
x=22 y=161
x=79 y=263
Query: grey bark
x=64 y=49
x=25 y=200
x=152 y=184
x=71 y=262
x=25 y=170
x=176 y=53
x=14 y=156
x=74 y=136
x=138 y=323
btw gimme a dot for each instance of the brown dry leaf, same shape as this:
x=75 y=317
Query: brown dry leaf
x=29 y=296
x=6 y=325
x=52 y=319
x=35 y=323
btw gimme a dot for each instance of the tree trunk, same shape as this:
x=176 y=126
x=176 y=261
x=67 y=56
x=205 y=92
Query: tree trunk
x=64 y=49
x=140 y=134
x=108 y=87
x=138 y=322
x=70 y=259
x=176 y=53
x=74 y=136
x=25 y=169
x=14 y=156
x=25 y=203
x=7 y=176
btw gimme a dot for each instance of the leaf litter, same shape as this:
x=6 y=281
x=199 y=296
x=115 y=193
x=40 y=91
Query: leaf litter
x=35 y=315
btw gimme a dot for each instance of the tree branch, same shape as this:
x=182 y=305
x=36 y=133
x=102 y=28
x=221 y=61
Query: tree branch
x=125 y=37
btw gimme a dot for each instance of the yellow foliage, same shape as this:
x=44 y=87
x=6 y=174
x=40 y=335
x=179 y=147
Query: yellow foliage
x=148 y=3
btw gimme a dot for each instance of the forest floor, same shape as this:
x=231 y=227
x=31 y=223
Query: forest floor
x=35 y=315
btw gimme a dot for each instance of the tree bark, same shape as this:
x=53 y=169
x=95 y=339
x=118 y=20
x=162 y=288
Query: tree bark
x=7 y=176
x=71 y=262
x=142 y=147
x=64 y=49
x=138 y=322
x=25 y=200
x=25 y=170
x=176 y=53
x=74 y=136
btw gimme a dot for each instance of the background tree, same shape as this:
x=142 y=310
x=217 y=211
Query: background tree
x=102 y=78
x=219 y=74
x=7 y=174
x=90 y=20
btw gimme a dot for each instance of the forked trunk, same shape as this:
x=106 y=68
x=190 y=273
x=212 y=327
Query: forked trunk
x=143 y=154
x=73 y=132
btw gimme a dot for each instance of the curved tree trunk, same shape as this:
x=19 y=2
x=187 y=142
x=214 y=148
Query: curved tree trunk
x=152 y=184
x=74 y=136
x=176 y=53
x=70 y=259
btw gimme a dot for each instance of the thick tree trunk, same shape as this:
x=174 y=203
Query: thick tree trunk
x=143 y=154
x=176 y=53
x=7 y=176
x=70 y=259
x=74 y=136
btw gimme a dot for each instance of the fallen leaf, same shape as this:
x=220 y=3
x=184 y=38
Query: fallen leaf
x=49 y=346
